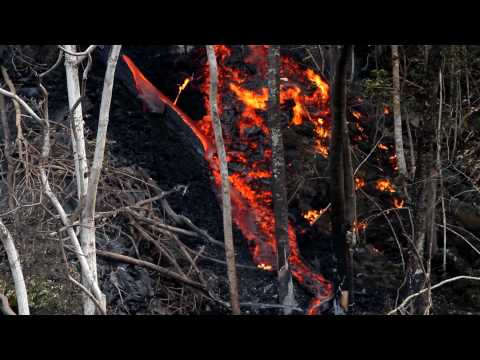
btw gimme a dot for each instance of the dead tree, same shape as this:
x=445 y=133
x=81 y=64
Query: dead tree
x=88 y=210
x=226 y=201
x=72 y=59
x=341 y=186
x=397 y=115
x=279 y=191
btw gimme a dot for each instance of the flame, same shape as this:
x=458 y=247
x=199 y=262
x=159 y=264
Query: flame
x=264 y=267
x=251 y=199
x=357 y=115
x=181 y=88
x=313 y=215
x=383 y=147
x=398 y=203
x=394 y=161
x=385 y=185
x=359 y=183
x=386 y=110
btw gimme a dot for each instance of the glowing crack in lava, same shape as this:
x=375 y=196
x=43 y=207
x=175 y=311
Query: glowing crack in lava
x=308 y=95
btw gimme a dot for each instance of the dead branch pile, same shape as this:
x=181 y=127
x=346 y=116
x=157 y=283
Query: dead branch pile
x=135 y=223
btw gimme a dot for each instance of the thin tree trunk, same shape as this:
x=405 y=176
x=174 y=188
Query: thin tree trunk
x=337 y=165
x=16 y=269
x=80 y=158
x=397 y=115
x=279 y=191
x=8 y=153
x=351 y=218
x=88 y=211
x=425 y=197
x=226 y=201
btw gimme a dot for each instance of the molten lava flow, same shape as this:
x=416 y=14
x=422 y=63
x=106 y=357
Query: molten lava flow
x=150 y=95
x=385 y=185
x=251 y=198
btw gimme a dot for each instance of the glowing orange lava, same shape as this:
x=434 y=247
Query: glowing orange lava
x=251 y=202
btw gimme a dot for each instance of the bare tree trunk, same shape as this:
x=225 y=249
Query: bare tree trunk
x=88 y=211
x=397 y=114
x=425 y=197
x=8 y=153
x=80 y=158
x=226 y=201
x=279 y=191
x=16 y=269
x=351 y=218
x=337 y=166
x=78 y=139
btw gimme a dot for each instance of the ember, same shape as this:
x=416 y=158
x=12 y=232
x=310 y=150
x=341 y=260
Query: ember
x=313 y=215
x=383 y=147
x=394 y=162
x=359 y=183
x=398 y=203
x=360 y=226
x=356 y=114
x=385 y=185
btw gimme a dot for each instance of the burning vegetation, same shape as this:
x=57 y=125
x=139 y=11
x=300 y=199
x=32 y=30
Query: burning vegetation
x=387 y=208
x=306 y=96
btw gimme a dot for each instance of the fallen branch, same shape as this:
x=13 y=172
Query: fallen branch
x=270 y=306
x=165 y=272
x=408 y=298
